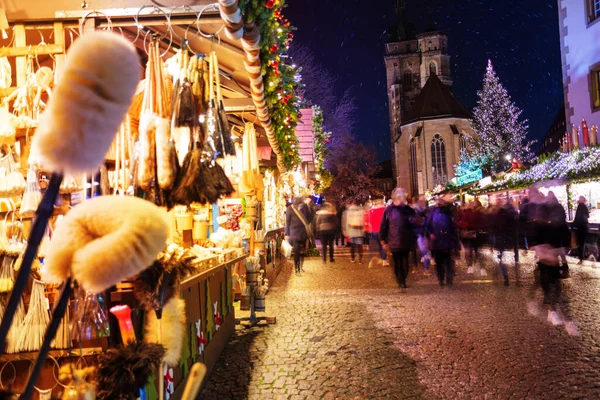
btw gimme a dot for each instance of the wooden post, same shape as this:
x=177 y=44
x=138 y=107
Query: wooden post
x=59 y=39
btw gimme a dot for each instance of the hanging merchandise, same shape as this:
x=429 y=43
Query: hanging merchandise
x=167 y=164
x=14 y=334
x=62 y=339
x=146 y=167
x=7 y=126
x=32 y=196
x=201 y=180
x=251 y=179
x=90 y=320
x=226 y=147
x=36 y=320
x=12 y=182
x=183 y=111
x=169 y=330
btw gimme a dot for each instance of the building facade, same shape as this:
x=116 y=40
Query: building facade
x=553 y=139
x=579 y=25
x=414 y=61
x=410 y=60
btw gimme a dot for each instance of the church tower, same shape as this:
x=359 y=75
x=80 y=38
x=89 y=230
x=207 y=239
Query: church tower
x=409 y=61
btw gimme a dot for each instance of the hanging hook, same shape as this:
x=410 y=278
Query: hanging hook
x=213 y=7
x=94 y=12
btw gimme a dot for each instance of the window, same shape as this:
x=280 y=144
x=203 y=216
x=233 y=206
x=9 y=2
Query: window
x=414 y=186
x=595 y=87
x=593 y=10
x=408 y=80
x=432 y=68
x=438 y=160
x=462 y=142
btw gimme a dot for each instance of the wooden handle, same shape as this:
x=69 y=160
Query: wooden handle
x=211 y=77
x=217 y=76
x=194 y=381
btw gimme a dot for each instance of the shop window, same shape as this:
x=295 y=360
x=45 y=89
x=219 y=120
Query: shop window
x=595 y=87
x=408 y=79
x=593 y=10
x=414 y=187
x=438 y=160
x=432 y=68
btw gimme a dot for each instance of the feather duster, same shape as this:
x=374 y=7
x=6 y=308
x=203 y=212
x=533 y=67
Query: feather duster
x=89 y=103
x=105 y=240
x=123 y=371
x=157 y=284
x=169 y=330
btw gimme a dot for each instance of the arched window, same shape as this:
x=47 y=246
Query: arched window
x=432 y=68
x=438 y=160
x=407 y=80
x=414 y=186
x=462 y=142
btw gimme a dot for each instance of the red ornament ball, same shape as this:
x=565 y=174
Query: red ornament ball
x=270 y=3
x=274 y=48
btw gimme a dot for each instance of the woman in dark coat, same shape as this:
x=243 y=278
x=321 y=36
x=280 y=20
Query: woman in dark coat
x=295 y=230
x=397 y=233
x=444 y=240
x=580 y=223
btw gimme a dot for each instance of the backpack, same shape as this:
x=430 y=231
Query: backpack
x=442 y=224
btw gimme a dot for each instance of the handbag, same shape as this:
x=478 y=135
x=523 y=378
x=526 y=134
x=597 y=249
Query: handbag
x=286 y=248
x=309 y=232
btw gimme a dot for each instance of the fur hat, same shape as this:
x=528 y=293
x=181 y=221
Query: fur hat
x=105 y=240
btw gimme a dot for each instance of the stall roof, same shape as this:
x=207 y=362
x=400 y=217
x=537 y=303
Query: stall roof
x=173 y=24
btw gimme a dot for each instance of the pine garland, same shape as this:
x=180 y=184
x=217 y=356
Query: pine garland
x=282 y=80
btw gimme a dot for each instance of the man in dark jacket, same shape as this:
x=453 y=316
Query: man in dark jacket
x=506 y=236
x=444 y=240
x=326 y=223
x=580 y=223
x=396 y=233
x=295 y=229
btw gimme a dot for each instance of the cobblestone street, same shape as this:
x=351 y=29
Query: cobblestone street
x=346 y=331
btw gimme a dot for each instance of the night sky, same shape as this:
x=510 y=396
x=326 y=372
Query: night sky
x=521 y=37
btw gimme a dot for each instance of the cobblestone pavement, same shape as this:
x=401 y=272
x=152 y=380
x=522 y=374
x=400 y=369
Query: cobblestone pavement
x=345 y=331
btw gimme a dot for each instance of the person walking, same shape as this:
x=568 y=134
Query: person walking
x=505 y=222
x=339 y=237
x=297 y=218
x=373 y=218
x=354 y=230
x=326 y=223
x=468 y=221
x=421 y=212
x=523 y=221
x=396 y=233
x=441 y=231
x=558 y=218
x=580 y=223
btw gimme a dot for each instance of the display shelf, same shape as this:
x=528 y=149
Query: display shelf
x=31 y=355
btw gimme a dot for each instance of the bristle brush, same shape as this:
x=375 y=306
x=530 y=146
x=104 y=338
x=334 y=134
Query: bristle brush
x=75 y=132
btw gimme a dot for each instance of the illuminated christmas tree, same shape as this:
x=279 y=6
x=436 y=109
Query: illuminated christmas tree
x=500 y=133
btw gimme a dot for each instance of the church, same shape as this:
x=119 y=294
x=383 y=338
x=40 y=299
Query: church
x=428 y=125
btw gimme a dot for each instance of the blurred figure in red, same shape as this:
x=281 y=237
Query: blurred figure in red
x=468 y=221
x=372 y=224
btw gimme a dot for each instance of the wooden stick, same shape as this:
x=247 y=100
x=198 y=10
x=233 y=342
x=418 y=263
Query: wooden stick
x=194 y=381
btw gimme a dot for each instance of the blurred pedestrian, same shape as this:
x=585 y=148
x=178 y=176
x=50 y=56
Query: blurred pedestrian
x=326 y=223
x=373 y=218
x=354 y=230
x=397 y=233
x=421 y=211
x=339 y=237
x=505 y=222
x=549 y=235
x=444 y=240
x=296 y=221
x=468 y=222
x=558 y=217
x=523 y=218
x=580 y=223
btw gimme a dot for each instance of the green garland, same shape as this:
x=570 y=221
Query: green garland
x=281 y=80
x=324 y=177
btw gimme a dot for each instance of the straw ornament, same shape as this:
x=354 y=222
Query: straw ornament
x=36 y=320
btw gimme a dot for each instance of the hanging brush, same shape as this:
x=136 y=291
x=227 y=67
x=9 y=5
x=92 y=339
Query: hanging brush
x=75 y=132
x=147 y=139
x=228 y=148
x=14 y=334
x=63 y=336
x=168 y=330
x=36 y=321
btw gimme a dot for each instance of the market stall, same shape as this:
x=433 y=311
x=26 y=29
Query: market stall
x=185 y=145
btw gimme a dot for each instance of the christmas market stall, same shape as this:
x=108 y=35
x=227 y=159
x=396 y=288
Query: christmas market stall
x=133 y=209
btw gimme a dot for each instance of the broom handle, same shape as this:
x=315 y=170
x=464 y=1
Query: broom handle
x=44 y=212
x=57 y=315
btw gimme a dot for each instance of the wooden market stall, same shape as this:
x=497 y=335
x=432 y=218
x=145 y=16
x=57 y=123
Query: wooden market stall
x=32 y=54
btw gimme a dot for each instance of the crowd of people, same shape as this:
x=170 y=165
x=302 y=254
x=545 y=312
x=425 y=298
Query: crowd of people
x=439 y=233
